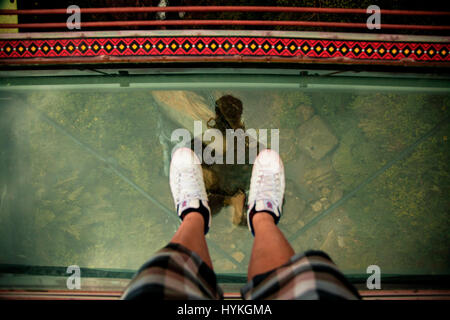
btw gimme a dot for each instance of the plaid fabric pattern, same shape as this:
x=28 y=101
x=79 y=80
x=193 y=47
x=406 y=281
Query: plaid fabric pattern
x=306 y=276
x=175 y=272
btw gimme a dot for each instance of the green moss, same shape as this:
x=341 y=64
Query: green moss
x=290 y=108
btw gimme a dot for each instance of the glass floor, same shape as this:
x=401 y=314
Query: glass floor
x=84 y=158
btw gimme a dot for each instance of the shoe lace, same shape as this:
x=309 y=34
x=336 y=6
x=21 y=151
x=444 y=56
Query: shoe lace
x=188 y=185
x=268 y=186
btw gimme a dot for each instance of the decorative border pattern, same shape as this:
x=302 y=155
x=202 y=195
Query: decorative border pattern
x=221 y=46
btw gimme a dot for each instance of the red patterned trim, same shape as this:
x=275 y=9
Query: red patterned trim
x=221 y=46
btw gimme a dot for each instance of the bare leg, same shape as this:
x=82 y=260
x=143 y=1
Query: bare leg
x=270 y=247
x=191 y=235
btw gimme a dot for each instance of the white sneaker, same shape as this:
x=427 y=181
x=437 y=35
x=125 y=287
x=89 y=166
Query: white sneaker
x=266 y=186
x=187 y=186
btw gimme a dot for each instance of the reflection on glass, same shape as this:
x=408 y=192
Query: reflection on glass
x=83 y=175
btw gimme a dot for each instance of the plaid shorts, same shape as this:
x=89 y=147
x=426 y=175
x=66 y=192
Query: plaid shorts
x=176 y=272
